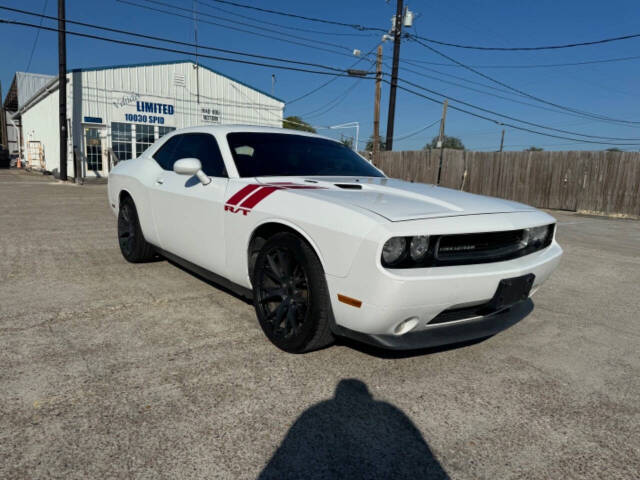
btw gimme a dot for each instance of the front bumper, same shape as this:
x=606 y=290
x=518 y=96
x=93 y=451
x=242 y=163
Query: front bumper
x=390 y=297
x=445 y=333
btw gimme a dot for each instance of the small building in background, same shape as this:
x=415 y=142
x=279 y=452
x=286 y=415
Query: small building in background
x=114 y=113
x=23 y=87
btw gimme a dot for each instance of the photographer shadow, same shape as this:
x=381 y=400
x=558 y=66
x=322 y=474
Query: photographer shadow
x=353 y=436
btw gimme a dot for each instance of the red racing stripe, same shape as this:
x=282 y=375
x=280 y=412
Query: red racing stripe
x=258 y=196
x=242 y=193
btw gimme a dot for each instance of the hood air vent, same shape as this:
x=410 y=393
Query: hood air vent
x=348 y=186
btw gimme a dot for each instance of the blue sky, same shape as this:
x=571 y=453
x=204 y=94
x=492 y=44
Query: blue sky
x=604 y=88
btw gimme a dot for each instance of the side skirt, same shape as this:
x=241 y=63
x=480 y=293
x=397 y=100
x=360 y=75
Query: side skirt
x=207 y=275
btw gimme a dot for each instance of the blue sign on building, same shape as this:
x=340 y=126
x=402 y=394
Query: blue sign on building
x=92 y=119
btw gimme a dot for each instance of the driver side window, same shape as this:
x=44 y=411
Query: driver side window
x=202 y=146
x=166 y=154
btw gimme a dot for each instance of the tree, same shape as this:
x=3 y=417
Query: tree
x=346 y=141
x=534 y=149
x=449 y=142
x=369 y=146
x=296 y=123
x=614 y=149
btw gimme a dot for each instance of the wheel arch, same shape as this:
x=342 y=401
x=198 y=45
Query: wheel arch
x=141 y=204
x=263 y=231
x=122 y=194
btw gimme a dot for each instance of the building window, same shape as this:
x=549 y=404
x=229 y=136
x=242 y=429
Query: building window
x=121 y=140
x=144 y=138
x=162 y=131
x=94 y=149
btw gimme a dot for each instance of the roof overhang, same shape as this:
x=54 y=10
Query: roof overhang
x=11 y=100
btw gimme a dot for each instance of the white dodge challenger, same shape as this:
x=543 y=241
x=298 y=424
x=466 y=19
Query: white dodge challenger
x=325 y=244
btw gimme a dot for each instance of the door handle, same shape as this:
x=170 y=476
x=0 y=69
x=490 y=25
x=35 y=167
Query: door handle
x=159 y=181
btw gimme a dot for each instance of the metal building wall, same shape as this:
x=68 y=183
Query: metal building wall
x=175 y=83
x=40 y=123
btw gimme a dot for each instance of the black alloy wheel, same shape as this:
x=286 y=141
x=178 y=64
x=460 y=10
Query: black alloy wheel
x=133 y=246
x=126 y=229
x=290 y=295
x=283 y=293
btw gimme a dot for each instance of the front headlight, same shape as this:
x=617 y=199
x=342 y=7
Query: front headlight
x=537 y=236
x=400 y=252
x=419 y=247
x=394 y=250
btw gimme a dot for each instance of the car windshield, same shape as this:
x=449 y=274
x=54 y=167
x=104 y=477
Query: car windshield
x=282 y=154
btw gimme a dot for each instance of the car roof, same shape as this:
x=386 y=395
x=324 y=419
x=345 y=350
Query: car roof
x=236 y=128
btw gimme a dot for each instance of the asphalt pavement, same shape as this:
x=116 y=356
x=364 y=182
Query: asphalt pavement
x=113 y=370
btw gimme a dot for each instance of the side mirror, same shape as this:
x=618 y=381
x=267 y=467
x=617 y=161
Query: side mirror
x=191 y=166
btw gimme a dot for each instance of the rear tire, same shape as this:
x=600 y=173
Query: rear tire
x=290 y=295
x=134 y=247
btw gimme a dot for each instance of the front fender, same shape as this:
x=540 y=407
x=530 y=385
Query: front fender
x=335 y=232
x=125 y=178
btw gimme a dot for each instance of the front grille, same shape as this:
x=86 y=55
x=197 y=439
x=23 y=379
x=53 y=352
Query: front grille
x=479 y=246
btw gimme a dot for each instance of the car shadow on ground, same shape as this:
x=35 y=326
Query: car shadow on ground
x=209 y=282
x=386 y=354
x=353 y=436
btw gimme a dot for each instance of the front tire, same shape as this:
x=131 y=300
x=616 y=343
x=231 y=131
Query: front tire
x=133 y=246
x=291 y=296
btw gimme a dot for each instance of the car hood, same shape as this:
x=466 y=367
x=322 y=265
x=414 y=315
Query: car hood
x=395 y=200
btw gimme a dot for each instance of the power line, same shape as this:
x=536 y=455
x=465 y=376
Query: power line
x=509 y=99
x=534 y=65
x=306 y=30
x=411 y=134
x=234 y=21
x=172 y=50
x=517 y=127
x=538 y=99
x=415 y=85
x=208 y=22
x=331 y=80
x=283 y=119
x=463 y=79
x=300 y=17
x=35 y=41
x=404 y=136
x=327 y=107
x=536 y=48
x=440 y=42
x=168 y=40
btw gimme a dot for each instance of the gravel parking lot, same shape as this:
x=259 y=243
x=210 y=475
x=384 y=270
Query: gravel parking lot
x=114 y=370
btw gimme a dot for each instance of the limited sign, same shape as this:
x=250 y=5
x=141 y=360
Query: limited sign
x=135 y=108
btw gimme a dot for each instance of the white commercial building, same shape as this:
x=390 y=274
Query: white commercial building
x=23 y=87
x=114 y=113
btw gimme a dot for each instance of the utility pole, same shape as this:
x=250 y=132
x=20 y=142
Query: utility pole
x=440 y=143
x=502 y=140
x=397 y=37
x=376 y=107
x=195 y=36
x=62 y=88
x=3 y=123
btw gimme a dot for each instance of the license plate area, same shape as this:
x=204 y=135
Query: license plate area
x=511 y=291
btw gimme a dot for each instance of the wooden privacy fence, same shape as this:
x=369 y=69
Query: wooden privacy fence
x=598 y=182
